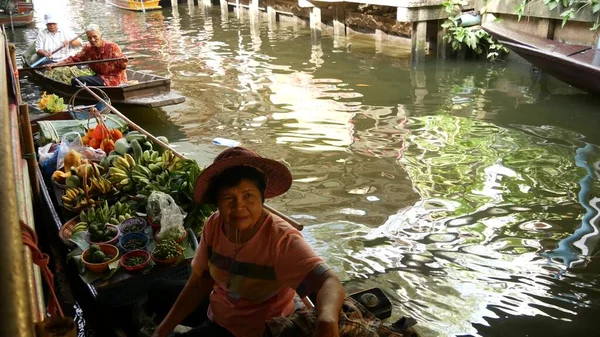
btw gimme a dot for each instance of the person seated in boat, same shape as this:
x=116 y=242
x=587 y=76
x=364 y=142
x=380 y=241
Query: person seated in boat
x=249 y=262
x=111 y=74
x=53 y=37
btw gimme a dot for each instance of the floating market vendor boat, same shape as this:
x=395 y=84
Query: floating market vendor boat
x=89 y=277
x=16 y=13
x=136 y=5
x=144 y=89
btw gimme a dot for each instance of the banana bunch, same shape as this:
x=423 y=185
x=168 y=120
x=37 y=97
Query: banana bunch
x=75 y=199
x=79 y=227
x=121 y=212
x=171 y=162
x=142 y=175
x=114 y=214
x=152 y=160
x=119 y=174
x=100 y=186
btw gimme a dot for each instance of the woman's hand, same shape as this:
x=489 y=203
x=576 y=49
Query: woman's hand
x=159 y=332
x=327 y=329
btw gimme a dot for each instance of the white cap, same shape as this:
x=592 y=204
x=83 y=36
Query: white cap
x=50 y=18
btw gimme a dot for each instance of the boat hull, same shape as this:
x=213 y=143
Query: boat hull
x=151 y=90
x=20 y=19
x=577 y=65
x=136 y=5
x=568 y=69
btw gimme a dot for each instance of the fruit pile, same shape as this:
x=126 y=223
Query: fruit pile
x=167 y=249
x=65 y=74
x=97 y=255
x=51 y=103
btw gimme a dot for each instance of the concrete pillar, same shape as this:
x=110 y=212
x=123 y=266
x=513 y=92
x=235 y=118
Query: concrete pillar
x=339 y=20
x=254 y=5
x=442 y=46
x=419 y=41
x=224 y=7
x=271 y=13
x=207 y=3
x=379 y=37
x=315 y=24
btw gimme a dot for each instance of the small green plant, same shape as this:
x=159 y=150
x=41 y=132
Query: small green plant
x=474 y=38
x=570 y=8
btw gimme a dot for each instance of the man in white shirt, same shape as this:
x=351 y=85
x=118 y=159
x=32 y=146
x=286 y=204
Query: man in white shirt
x=52 y=38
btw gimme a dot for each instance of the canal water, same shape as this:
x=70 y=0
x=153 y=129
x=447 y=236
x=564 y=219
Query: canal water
x=467 y=191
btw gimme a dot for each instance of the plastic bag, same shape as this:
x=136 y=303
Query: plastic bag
x=47 y=157
x=70 y=140
x=163 y=209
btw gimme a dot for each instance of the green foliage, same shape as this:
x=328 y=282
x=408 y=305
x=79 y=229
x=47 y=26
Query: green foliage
x=569 y=9
x=474 y=38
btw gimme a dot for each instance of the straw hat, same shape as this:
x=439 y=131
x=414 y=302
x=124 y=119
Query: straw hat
x=278 y=178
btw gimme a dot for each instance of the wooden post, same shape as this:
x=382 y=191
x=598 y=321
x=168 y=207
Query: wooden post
x=442 y=46
x=13 y=58
x=28 y=149
x=224 y=10
x=339 y=20
x=419 y=41
x=315 y=24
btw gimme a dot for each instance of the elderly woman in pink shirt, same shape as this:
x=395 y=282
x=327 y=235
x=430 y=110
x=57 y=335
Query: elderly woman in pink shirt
x=250 y=262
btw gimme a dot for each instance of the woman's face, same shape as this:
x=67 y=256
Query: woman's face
x=94 y=38
x=241 y=206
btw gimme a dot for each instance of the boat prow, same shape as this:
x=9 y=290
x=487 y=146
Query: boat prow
x=577 y=65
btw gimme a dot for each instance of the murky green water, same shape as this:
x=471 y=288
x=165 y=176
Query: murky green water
x=467 y=191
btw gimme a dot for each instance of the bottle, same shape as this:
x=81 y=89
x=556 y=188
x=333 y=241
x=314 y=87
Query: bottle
x=225 y=142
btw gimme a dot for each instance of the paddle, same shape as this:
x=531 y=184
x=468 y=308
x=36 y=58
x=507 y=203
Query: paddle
x=77 y=63
x=291 y=221
x=56 y=50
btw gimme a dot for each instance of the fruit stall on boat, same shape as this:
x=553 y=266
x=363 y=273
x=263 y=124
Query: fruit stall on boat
x=117 y=215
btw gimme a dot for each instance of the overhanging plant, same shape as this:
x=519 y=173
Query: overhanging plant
x=474 y=38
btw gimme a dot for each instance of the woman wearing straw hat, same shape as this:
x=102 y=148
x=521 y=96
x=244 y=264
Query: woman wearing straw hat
x=250 y=262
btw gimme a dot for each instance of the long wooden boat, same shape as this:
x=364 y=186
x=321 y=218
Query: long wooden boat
x=577 y=65
x=149 y=90
x=21 y=18
x=136 y=5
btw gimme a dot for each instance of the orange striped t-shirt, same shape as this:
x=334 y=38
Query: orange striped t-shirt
x=254 y=281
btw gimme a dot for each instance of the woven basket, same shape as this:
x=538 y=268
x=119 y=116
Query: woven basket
x=65 y=231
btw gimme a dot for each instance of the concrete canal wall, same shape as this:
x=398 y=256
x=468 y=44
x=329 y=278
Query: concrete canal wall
x=413 y=24
x=540 y=21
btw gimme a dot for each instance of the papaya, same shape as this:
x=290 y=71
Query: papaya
x=60 y=176
x=72 y=158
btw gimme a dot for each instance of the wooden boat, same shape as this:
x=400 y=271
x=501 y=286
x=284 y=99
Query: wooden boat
x=149 y=90
x=577 y=65
x=136 y=5
x=22 y=16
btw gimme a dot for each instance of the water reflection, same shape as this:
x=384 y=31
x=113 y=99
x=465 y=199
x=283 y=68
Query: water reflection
x=467 y=191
